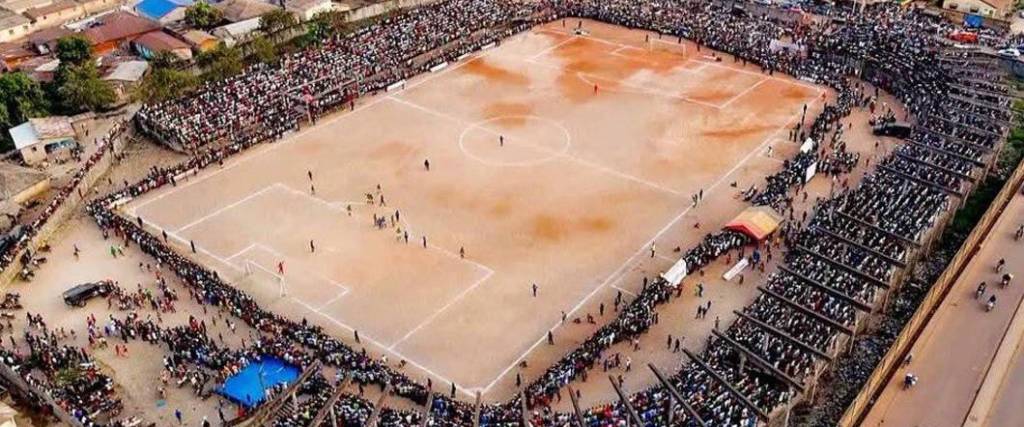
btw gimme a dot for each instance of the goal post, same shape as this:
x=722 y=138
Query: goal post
x=253 y=269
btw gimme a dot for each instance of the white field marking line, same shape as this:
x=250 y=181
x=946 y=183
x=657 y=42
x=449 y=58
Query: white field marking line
x=682 y=45
x=544 y=149
x=199 y=249
x=332 y=300
x=667 y=258
x=629 y=261
x=754 y=73
x=488 y=272
x=295 y=137
x=616 y=276
x=365 y=337
x=239 y=253
x=630 y=293
x=643 y=90
x=227 y=207
x=266 y=248
x=615 y=52
x=548 y=49
x=744 y=92
x=442 y=309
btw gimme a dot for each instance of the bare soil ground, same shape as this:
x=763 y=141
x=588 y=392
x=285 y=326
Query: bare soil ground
x=555 y=159
x=583 y=186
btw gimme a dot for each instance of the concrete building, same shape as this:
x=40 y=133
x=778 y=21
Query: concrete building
x=997 y=9
x=241 y=10
x=54 y=14
x=13 y=26
x=44 y=139
x=125 y=78
x=237 y=32
x=97 y=6
x=307 y=9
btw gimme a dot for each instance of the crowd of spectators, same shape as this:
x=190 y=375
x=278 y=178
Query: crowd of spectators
x=840 y=261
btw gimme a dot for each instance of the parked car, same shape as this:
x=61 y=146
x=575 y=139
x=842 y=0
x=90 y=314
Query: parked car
x=80 y=294
x=1009 y=52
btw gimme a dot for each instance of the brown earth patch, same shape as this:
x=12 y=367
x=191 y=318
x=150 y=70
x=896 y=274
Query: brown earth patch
x=550 y=228
x=495 y=74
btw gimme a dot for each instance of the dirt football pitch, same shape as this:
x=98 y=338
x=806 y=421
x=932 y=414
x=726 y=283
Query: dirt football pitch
x=555 y=159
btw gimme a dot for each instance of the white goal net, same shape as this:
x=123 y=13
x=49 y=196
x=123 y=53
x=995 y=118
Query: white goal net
x=258 y=273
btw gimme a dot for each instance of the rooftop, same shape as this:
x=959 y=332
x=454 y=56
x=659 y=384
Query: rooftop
x=198 y=38
x=240 y=10
x=160 y=41
x=119 y=25
x=10 y=19
x=128 y=71
x=14 y=179
x=20 y=6
x=57 y=6
x=157 y=9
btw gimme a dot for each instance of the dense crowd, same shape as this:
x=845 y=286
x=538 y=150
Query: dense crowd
x=841 y=258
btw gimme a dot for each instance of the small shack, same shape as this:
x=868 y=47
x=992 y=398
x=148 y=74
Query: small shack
x=44 y=139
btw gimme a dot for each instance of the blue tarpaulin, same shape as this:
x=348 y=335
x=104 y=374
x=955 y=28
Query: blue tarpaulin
x=248 y=387
x=157 y=9
x=972 y=21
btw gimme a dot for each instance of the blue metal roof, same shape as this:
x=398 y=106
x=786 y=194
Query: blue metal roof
x=157 y=9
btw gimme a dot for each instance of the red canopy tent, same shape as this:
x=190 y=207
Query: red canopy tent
x=757 y=222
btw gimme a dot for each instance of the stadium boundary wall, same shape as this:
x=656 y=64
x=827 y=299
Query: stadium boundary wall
x=857 y=409
x=62 y=213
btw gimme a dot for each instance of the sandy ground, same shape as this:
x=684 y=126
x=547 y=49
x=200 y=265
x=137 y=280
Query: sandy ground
x=571 y=201
x=954 y=352
x=524 y=175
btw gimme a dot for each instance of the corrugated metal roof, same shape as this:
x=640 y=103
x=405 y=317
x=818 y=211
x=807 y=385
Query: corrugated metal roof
x=128 y=71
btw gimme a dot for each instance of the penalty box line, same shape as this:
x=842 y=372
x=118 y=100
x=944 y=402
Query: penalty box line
x=363 y=336
x=382 y=347
x=344 y=290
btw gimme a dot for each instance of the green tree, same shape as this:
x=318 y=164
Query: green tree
x=271 y=23
x=165 y=81
x=73 y=49
x=79 y=87
x=220 y=63
x=202 y=15
x=262 y=49
x=20 y=99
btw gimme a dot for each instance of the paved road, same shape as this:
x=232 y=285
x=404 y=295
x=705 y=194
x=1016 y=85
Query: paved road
x=953 y=354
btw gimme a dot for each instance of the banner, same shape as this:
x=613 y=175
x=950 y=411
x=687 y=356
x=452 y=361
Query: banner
x=675 y=274
x=736 y=269
x=439 y=67
x=811 y=171
x=807 y=146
